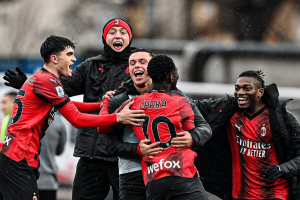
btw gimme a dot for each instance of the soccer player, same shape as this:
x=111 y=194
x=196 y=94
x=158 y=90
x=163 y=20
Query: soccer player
x=170 y=174
x=34 y=110
x=131 y=181
x=97 y=170
x=254 y=152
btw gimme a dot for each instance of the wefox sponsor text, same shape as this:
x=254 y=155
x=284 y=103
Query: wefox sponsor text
x=163 y=165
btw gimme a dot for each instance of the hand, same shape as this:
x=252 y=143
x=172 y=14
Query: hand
x=183 y=140
x=132 y=117
x=149 y=150
x=108 y=95
x=274 y=172
x=15 y=79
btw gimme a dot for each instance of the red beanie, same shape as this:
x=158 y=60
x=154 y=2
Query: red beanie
x=117 y=22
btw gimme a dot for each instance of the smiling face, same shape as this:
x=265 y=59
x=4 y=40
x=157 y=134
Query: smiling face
x=248 y=93
x=117 y=38
x=64 y=61
x=138 y=63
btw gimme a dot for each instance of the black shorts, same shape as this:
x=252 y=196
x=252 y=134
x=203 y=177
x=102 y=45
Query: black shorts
x=18 y=179
x=94 y=178
x=176 y=188
x=132 y=186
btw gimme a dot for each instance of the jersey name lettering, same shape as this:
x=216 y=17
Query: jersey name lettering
x=153 y=104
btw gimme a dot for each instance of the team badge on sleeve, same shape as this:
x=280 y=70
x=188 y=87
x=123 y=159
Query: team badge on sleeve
x=60 y=91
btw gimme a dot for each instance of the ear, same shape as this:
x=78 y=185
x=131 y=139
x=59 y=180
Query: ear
x=261 y=92
x=54 y=59
x=168 y=79
x=172 y=78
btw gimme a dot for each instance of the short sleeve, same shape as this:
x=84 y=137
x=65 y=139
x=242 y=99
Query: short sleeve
x=51 y=90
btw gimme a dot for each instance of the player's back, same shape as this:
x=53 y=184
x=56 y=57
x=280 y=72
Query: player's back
x=166 y=114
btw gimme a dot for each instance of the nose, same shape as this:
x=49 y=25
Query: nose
x=74 y=59
x=118 y=34
x=241 y=91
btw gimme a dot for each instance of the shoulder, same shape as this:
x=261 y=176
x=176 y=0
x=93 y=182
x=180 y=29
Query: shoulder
x=89 y=61
x=44 y=77
x=120 y=98
x=117 y=101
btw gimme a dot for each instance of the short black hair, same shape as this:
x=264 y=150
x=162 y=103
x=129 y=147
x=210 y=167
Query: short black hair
x=160 y=67
x=12 y=95
x=54 y=45
x=258 y=75
x=135 y=50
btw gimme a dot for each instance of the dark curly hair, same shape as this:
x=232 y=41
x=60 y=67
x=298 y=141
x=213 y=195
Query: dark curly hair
x=160 y=67
x=258 y=75
x=54 y=45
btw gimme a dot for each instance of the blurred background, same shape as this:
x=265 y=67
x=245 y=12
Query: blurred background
x=211 y=42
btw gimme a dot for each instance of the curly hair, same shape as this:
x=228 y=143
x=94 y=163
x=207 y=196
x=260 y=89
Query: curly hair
x=160 y=67
x=258 y=75
x=54 y=45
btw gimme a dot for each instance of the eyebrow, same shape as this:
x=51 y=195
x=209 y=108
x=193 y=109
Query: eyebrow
x=244 y=85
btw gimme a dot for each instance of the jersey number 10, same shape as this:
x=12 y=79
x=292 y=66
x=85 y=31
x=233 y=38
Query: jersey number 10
x=154 y=125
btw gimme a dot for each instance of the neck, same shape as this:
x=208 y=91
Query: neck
x=144 y=88
x=51 y=68
x=161 y=86
x=254 y=109
x=109 y=53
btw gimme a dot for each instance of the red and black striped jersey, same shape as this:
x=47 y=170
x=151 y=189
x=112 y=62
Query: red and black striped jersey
x=253 y=152
x=166 y=114
x=33 y=111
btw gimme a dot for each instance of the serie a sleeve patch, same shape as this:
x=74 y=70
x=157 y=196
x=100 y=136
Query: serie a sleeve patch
x=60 y=91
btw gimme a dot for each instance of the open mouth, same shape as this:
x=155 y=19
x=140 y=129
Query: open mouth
x=70 y=66
x=138 y=74
x=242 y=100
x=118 y=45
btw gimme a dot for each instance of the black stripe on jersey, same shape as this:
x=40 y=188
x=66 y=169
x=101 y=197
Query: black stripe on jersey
x=21 y=93
x=250 y=117
x=58 y=106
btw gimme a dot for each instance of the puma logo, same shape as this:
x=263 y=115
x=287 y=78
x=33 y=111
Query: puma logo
x=238 y=127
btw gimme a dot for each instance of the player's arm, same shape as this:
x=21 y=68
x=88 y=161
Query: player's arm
x=197 y=136
x=291 y=167
x=107 y=129
x=87 y=107
x=113 y=141
x=82 y=120
x=104 y=111
x=116 y=147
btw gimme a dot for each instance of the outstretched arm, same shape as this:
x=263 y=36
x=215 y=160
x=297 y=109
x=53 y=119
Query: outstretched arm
x=81 y=120
x=195 y=137
x=87 y=107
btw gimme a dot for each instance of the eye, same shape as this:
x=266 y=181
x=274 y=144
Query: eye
x=132 y=63
x=236 y=89
x=143 y=61
x=247 y=88
x=124 y=31
x=111 y=32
